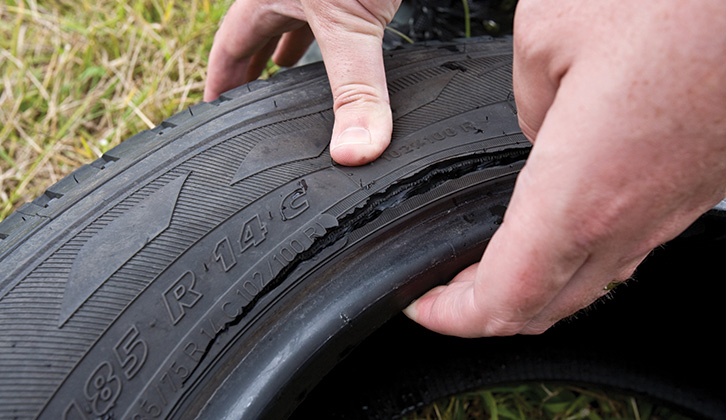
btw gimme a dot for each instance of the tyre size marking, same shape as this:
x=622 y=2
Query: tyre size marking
x=161 y=393
x=396 y=151
x=224 y=255
x=253 y=282
x=253 y=232
x=295 y=204
x=164 y=390
x=103 y=386
x=181 y=296
x=101 y=390
x=131 y=352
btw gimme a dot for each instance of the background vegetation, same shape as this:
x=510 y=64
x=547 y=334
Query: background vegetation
x=544 y=401
x=77 y=77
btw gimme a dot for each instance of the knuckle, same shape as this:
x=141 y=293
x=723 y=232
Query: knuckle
x=591 y=232
x=526 y=23
x=528 y=129
x=356 y=95
x=498 y=327
x=536 y=328
x=595 y=221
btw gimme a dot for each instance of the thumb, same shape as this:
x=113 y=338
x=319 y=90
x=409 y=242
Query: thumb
x=450 y=309
x=350 y=36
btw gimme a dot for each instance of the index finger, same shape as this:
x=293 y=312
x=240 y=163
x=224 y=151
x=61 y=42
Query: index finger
x=350 y=35
x=247 y=29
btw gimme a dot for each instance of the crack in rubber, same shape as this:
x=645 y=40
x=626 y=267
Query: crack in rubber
x=420 y=183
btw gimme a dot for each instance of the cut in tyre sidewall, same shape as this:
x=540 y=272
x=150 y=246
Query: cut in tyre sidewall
x=320 y=320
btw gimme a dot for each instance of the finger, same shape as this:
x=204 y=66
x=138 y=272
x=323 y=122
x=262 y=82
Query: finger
x=539 y=248
x=293 y=46
x=245 y=30
x=445 y=307
x=258 y=62
x=598 y=193
x=532 y=257
x=350 y=41
x=523 y=269
x=576 y=221
x=224 y=72
x=588 y=285
x=536 y=74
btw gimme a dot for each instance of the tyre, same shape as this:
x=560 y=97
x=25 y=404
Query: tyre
x=220 y=265
x=654 y=341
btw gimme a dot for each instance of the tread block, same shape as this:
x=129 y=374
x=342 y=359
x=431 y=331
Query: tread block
x=132 y=145
x=21 y=220
x=78 y=177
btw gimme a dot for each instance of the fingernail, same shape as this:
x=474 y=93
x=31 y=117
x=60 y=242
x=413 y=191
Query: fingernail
x=353 y=135
x=410 y=310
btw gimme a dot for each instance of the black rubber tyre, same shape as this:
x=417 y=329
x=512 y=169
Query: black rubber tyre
x=656 y=340
x=220 y=265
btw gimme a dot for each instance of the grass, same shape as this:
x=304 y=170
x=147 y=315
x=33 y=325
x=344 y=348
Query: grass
x=543 y=401
x=78 y=77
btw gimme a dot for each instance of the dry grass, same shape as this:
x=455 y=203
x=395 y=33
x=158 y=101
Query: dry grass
x=541 y=401
x=78 y=77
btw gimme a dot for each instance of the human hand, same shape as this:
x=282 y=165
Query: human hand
x=625 y=103
x=349 y=33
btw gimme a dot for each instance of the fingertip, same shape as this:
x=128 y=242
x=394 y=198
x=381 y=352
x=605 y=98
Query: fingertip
x=355 y=146
x=411 y=312
x=209 y=96
x=361 y=135
x=224 y=72
x=447 y=309
x=420 y=310
x=350 y=155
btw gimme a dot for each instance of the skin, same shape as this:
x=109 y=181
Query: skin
x=349 y=34
x=625 y=103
